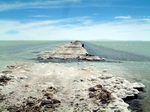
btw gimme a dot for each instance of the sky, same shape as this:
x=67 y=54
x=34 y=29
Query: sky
x=75 y=20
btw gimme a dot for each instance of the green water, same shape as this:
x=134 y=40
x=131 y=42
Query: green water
x=134 y=57
x=23 y=51
x=131 y=70
x=136 y=47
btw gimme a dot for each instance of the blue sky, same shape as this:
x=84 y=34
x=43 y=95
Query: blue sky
x=75 y=20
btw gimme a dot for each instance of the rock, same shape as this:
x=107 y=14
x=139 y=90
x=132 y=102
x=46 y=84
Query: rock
x=51 y=89
x=55 y=101
x=91 y=95
x=105 y=77
x=96 y=109
x=5 y=110
x=90 y=58
x=81 y=99
x=46 y=102
x=23 y=77
x=93 y=79
x=81 y=80
x=100 y=94
x=10 y=66
x=30 y=102
x=104 y=96
x=26 y=85
x=48 y=95
x=83 y=45
x=40 y=58
x=138 y=86
x=92 y=89
x=2 y=97
x=98 y=86
x=104 y=70
x=49 y=101
x=4 y=79
x=17 y=105
x=7 y=72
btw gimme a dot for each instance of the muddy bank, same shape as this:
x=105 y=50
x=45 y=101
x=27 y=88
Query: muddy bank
x=54 y=87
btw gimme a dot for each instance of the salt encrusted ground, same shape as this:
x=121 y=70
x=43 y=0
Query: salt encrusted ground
x=48 y=87
x=72 y=50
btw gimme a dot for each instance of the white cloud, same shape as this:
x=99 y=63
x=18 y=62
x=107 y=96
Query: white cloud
x=4 y=6
x=123 y=17
x=72 y=0
x=40 y=16
x=75 y=29
x=36 y=4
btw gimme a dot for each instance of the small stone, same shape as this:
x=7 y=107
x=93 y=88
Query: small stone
x=11 y=66
x=30 y=102
x=93 y=79
x=75 y=81
x=46 y=102
x=4 y=79
x=48 y=93
x=99 y=86
x=81 y=80
x=23 y=77
x=26 y=85
x=91 y=95
x=17 y=105
x=92 y=89
x=104 y=71
x=95 y=109
x=71 y=103
x=76 y=104
x=55 y=101
x=117 y=111
x=7 y=72
x=81 y=99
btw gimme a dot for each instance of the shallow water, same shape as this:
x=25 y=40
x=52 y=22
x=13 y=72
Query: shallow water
x=134 y=66
x=134 y=57
x=24 y=51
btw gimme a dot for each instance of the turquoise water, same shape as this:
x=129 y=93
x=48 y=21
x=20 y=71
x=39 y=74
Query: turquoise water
x=23 y=51
x=134 y=58
x=135 y=62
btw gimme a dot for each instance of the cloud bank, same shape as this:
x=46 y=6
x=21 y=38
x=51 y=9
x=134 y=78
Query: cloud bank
x=80 y=28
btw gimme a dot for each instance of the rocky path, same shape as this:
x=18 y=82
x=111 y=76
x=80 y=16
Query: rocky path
x=72 y=50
